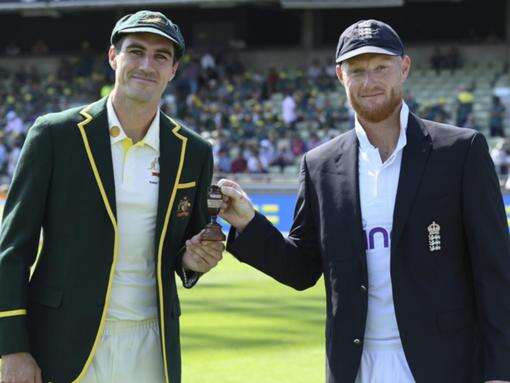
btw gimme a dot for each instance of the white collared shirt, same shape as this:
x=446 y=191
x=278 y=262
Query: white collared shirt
x=378 y=184
x=136 y=173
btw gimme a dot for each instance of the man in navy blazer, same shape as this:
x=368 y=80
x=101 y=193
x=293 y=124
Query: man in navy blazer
x=404 y=218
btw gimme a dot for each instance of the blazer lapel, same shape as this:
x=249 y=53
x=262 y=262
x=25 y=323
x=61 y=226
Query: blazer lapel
x=347 y=165
x=171 y=143
x=96 y=141
x=414 y=159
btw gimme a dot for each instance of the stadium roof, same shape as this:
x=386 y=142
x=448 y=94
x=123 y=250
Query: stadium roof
x=16 y=5
x=302 y=4
x=13 y=5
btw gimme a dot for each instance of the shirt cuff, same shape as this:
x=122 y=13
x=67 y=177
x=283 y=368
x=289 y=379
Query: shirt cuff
x=189 y=278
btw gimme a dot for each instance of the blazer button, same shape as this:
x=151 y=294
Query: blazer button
x=356 y=341
x=363 y=288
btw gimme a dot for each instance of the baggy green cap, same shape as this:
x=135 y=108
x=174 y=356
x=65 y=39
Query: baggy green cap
x=149 y=22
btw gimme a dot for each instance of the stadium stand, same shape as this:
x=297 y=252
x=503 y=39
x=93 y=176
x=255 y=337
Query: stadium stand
x=262 y=94
x=260 y=121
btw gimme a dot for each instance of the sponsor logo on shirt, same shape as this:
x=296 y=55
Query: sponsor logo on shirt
x=377 y=238
x=154 y=171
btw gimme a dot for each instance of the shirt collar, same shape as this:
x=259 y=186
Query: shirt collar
x=151 y=137
x=365 y=144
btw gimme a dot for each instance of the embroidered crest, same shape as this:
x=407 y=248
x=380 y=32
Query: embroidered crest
x=157 y=20
x=434 y=231
x=183 y=207
x=365 y=30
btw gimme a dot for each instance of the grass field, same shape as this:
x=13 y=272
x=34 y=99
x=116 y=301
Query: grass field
x=238 y=325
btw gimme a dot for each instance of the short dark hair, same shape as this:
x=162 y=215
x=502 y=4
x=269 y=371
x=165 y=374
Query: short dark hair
x=117 y=45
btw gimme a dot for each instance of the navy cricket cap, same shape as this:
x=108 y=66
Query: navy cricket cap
x=149 y=22
x=368 y=36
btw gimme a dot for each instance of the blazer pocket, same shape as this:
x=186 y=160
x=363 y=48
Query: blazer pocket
x=186 y=185
x=47 y=296
x=452 y=321
x=433 y=200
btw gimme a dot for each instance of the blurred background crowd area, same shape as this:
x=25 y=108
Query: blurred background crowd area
x=258 y=121
x=262 y=109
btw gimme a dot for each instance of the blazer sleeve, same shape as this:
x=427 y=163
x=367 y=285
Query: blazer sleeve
x=19 y=238
x=486 y=230
x=294 y=261
x=199 y=218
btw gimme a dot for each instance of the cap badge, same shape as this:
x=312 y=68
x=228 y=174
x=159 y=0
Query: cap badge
x=151 y=19
x=365 y=30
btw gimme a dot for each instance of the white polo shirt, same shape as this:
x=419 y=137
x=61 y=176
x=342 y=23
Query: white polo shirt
x=136 y=173
x=378 y=184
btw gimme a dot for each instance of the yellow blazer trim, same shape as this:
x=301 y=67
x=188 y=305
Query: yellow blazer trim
x=187 y=185
x=81 y=127
x=12 y=313
x=184 y=140
x=38 y=256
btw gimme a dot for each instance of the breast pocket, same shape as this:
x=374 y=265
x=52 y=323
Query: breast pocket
x=433 y=200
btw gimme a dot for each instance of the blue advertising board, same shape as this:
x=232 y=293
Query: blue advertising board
x=506 y=199
x=278 y=208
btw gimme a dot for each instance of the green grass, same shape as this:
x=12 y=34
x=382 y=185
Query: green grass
x=238 y=325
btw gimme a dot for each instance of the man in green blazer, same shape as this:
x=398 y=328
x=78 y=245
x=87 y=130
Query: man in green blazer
x=119 y=190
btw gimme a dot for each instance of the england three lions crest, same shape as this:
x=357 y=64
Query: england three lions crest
x=434 y=231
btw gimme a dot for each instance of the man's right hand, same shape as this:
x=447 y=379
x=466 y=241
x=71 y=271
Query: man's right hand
x=20 y=368
x=237 y=208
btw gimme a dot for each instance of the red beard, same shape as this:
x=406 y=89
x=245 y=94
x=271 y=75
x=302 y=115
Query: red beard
x=378 y=113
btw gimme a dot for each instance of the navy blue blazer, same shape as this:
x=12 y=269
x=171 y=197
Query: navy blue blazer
x=452 y=304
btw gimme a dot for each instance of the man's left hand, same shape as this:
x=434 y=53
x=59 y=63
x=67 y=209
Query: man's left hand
x=202 y=256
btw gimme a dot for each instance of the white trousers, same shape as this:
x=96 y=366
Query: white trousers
x=129 y=352
x=384 y=364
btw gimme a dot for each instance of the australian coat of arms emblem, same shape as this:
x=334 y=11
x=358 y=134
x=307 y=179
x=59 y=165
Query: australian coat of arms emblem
x=183 y=207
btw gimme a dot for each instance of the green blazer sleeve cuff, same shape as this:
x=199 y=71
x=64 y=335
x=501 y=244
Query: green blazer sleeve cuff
x=13 y=332
x=189 y=278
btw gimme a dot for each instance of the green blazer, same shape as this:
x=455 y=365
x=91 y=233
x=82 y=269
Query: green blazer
x=64 y=184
